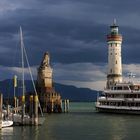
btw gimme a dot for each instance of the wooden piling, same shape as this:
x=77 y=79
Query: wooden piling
x=35 y=110
x=61 y=104
x=52 y=106
x=31 y=110
x=15 y=98
x=67 y=106
x=15 y=104
x=23 y=109
x=8 y=111
x=1 y=103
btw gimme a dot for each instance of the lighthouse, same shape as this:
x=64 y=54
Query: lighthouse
x=114 y=41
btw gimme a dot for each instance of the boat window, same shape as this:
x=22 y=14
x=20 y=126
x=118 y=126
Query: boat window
x=138 y=95
x=132 y=87
x=136 y=87
x=119 y=88
x=126 y=88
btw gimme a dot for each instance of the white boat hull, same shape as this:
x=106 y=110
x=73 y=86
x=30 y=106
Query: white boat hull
x=118 y=110
x=7 y=123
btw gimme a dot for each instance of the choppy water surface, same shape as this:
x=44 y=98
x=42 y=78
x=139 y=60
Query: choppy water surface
x=81 y=123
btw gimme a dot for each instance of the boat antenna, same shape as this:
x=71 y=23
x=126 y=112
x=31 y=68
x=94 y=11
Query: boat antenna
x=131 y=75
x=114 y=21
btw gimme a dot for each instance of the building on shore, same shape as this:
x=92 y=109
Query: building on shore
x=50 y=100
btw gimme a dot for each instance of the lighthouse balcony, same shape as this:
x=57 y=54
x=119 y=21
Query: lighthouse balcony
x=117 y=37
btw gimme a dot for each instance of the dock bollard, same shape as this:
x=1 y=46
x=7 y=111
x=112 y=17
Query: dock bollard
x=23 y=109
x=31 y=109
x=61 y=104
x=1 y=103
x=52 y=105
x=15 y=104
x=8 y=111
x=67 y=106
x=35 y=110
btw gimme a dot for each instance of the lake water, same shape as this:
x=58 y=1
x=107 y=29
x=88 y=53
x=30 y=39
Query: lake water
x=81 y=123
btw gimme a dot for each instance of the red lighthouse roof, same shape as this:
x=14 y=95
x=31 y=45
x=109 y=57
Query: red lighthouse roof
x=114 y=34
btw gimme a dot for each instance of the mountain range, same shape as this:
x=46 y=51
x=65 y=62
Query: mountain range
x=66 y=91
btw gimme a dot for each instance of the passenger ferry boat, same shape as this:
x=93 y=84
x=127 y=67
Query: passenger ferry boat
x=120 y=98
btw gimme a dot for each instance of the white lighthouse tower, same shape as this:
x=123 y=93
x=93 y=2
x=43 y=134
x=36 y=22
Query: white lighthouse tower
x=114 y=40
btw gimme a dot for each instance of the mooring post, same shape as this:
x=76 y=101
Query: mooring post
x=8 y=111
x=1 y=103
x=23 y=109
x=31 y=109
x=52 y=106
x=64 y=105
x=67 y=106
x=35 y=110
x=15 y=104
x=61 y=104
x=15 y=99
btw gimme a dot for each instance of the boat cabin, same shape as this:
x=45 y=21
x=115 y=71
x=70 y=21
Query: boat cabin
x=132 y=87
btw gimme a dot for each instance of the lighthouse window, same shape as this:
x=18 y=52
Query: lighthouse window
x=116 y=62
x=110 y=70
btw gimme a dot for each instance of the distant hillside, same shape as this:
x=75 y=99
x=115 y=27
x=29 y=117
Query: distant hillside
x=76 y=94
x=67 y=92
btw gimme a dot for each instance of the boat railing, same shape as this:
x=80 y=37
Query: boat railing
x=118 y=99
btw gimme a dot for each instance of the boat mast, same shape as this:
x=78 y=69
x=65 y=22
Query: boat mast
x=22 y=58
x=23 y=52
x=23 y=82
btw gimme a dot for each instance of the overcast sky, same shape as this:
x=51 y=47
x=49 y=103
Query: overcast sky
x=74 y=33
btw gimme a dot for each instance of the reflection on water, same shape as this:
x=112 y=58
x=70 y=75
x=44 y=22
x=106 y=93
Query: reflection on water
x=119 y=130
x=7 y=131
x=82 y=123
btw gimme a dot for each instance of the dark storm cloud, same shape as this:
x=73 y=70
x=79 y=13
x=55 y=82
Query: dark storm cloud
x=59 y=36
x=72 y=31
